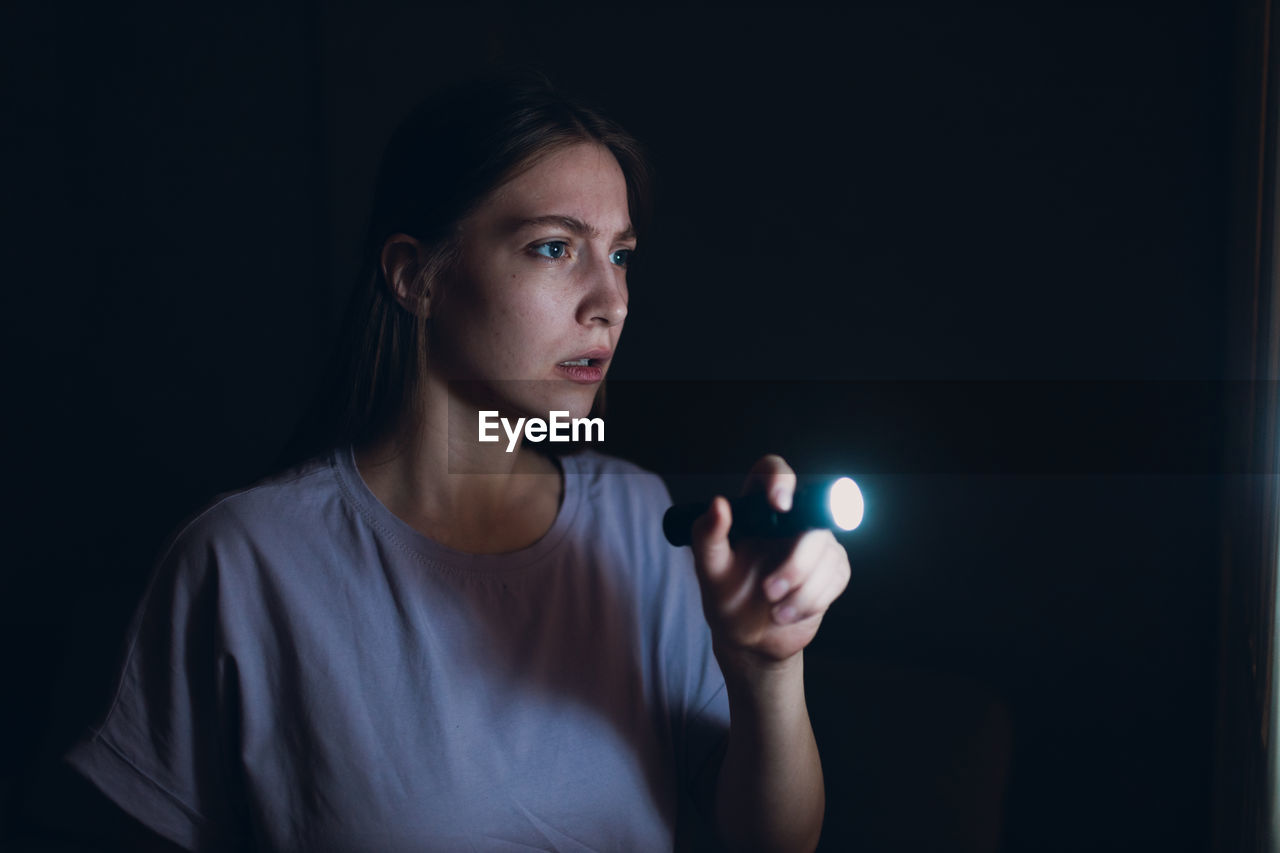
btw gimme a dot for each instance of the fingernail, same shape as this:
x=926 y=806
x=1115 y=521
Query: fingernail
x=784 y=615
x=782 y=498
x=776 y=588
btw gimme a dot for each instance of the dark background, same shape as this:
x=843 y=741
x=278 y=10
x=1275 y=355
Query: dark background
x=868 y=219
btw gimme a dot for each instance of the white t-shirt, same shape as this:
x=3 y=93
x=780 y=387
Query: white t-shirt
x=308 y=672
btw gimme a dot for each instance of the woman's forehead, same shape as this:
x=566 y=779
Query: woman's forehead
x=582 y=182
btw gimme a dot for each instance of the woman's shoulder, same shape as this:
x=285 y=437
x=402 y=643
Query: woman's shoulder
x=284 y=504
x=242 y=541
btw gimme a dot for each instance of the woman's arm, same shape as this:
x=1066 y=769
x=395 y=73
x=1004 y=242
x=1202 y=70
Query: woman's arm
x=764 y=602
x=769 y=792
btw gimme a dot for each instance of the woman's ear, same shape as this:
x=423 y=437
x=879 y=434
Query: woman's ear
x=403 y=268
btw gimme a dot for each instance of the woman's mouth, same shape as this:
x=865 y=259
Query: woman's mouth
x=583 y=370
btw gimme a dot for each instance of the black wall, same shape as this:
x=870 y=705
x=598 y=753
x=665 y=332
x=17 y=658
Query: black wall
x=883 y=236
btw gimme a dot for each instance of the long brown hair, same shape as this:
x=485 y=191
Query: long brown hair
x=445 y=158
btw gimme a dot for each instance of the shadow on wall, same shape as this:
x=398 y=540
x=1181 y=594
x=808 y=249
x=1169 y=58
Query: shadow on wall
x=914 y=760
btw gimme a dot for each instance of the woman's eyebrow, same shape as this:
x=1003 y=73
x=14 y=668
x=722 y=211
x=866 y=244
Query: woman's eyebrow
x=569 y=223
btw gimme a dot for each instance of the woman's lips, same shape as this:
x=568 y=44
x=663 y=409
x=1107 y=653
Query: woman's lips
x=584 y=374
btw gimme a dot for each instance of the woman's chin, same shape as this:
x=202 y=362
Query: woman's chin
x=561 y=407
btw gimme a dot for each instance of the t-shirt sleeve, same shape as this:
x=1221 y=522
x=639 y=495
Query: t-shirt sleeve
x=695 y=683
x=705 y=713
x=700 y=715
x=161 y=751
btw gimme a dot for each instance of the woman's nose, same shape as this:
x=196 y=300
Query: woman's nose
x=605 y=298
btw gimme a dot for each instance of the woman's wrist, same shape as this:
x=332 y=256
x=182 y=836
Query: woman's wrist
x=749 y=671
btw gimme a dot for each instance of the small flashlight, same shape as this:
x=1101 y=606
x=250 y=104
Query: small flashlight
x=834 y=505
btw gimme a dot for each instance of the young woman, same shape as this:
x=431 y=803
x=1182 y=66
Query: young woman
x=418 y=640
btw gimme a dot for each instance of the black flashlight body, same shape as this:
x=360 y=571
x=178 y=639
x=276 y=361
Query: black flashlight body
x=755 y=517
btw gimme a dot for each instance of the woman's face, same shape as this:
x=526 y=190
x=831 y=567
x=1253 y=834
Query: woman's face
x=541 y=281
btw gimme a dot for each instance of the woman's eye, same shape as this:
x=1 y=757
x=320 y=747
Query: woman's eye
x=554 y=249
x=622 y=257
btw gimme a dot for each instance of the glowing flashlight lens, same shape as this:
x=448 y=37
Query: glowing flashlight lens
x=845 y=500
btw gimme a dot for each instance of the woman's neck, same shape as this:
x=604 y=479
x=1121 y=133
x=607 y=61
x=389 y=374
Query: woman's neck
x=431 y=472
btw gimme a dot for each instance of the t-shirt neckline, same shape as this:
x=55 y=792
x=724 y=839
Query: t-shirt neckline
x=436 y=554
